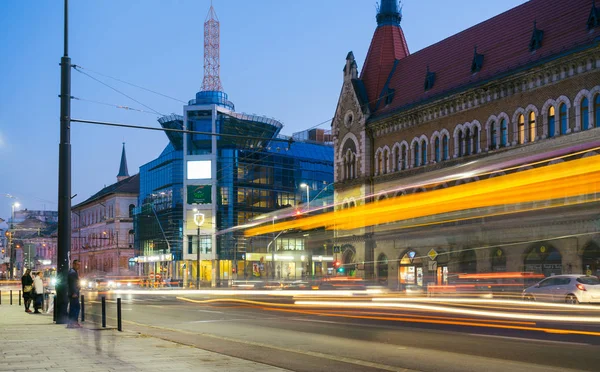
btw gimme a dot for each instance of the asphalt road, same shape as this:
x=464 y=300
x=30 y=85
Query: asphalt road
x=328 y=338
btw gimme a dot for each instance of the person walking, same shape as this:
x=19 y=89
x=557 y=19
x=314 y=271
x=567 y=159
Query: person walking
x=74 y=287
x=38 y=286
x=27 y=284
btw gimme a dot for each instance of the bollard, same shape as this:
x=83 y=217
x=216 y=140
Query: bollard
x=11 y=296
x=0 y=297
x=103 y=312
x=82 y=309
x=119 y=325
x=54 y=310
x=19 y=297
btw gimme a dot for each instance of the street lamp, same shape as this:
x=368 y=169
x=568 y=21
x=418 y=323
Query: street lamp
x=199 y=221
x=13 y=253
x=307 y=195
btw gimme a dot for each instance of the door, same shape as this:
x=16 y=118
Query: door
x=561 y=289
x=543 y=292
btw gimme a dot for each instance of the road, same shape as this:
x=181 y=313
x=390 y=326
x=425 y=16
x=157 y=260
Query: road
x=359 y=334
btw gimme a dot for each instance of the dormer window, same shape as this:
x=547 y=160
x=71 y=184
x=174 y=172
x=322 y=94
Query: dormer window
x=594 y=17
x=536 y=38
x=389 y=96
x=477 y=62
x=429 y=79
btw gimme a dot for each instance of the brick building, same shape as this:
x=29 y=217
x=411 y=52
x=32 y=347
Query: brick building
x=522 y=85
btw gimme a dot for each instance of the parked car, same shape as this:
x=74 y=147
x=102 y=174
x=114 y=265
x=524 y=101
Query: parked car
x=571 y=289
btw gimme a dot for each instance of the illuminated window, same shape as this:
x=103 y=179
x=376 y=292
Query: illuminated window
x=521 y=129
x=531 y=126
x=437 y=149
x=445 y=148
x=416 y=155
x=503 y=133
x=585 y=117
x=563 y=119
x=551 y=122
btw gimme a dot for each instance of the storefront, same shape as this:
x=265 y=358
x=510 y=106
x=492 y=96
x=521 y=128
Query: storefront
x=543 y=259
x=287 y=265
x=410 y=270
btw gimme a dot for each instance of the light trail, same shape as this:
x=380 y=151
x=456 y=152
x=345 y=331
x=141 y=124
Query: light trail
x=486 y=301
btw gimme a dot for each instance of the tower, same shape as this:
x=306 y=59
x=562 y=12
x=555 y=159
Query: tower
x=123 y=172
x=212 y=65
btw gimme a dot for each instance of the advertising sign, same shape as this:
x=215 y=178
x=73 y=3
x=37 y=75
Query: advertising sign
x=199 y=194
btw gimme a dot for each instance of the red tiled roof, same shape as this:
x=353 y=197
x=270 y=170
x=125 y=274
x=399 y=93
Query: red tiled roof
x=503 y=40
x=387 y=45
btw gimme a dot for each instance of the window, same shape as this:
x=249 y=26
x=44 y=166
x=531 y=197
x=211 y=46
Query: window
x=551 y=122
x=424 y=152
x=416 y=155
x=503 y=133
x=564 y=126
x=477 y=62
x=597 y=111
x=493 y=134
x=591 y=280
x=445 y=148
x=468 y=142
x=460 y=143
x=436 y=147
x=475 y=140
x=380 y=163
x=404 y=157
x=531 y=126
x=131 y=208
x=386 y=160
x=585 y=118
x=397 y=159
x=521 y=124
x=536 y=38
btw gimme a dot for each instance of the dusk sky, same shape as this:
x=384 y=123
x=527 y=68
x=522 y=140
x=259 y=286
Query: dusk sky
x=279 y=58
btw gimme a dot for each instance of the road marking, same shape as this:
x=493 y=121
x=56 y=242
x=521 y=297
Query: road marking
x=210 y=311
x=217 y=320
x=531 y=339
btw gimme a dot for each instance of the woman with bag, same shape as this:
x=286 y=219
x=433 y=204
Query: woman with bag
x=27 y=284
x=38 y=288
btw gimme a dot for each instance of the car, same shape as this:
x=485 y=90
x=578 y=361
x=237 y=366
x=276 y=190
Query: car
x=572 y=289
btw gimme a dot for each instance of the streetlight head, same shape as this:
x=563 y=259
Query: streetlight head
x=195 y=209
x=17 y=205
x=303 y=185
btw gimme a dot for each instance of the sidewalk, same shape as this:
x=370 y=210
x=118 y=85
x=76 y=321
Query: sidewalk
x=32 y=342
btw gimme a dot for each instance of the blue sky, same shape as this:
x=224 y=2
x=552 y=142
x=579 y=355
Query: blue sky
x=279 y=58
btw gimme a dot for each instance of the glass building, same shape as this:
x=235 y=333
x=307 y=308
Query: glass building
x=232 y=168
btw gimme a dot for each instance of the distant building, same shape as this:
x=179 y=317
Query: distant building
x=102 y=227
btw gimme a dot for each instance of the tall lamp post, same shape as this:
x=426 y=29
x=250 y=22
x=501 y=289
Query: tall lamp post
x=13 y=252
x=199 y=221
x=307 y=195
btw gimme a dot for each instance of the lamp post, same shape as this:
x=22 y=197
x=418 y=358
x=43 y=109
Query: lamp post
x=198 y=220
x=307 y=195
x=13 y=253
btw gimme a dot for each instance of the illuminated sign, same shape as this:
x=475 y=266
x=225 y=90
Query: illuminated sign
x=199 y=169
x=156 y=258
x=199 y=194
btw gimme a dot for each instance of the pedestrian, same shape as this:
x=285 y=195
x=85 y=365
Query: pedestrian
x=38 y=285
x=74 y=287
x=27 y=284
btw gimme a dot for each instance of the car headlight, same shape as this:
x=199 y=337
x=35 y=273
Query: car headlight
x=129 y=284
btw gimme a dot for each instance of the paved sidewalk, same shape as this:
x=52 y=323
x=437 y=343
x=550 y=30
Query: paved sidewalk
x=32 y=342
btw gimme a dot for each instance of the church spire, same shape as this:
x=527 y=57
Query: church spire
x=389 y=13
x=123 y=172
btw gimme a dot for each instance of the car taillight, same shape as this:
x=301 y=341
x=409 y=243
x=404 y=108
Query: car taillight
x=581 y=287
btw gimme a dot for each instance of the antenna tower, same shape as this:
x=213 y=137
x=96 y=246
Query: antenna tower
x=212 y=65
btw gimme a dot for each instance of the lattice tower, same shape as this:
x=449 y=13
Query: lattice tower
x=212 y=65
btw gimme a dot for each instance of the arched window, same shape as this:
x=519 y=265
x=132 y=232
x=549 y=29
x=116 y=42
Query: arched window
x=445 y=148
x=475 y=140
x=416 y=155
x=380 y=163
x=436 y=148
x=532 y=126
x=597 y=111
x=131 y=208
x=563 y=118
x=397 y=159
x=461 y=142
x=521 y=129
x=585 y=115
x=386 y=160
x=493 y=131
x=503 y=133
x=404 y=157
x=423 y=152
x=468 y=139
x=551 y=122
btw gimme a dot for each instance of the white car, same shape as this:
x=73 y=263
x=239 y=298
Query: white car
x=571 y=289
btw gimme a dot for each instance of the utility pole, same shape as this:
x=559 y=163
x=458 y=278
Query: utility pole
x=64 y=179
x=198 y=259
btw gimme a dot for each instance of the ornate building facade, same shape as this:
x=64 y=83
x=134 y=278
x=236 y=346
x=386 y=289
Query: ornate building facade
x=522 y=85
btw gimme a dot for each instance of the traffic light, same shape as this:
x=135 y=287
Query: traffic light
x=337 y=265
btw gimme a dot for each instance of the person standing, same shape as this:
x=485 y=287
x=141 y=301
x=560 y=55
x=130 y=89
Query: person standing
x=74 y=287
x=38 y=285
x=27 y=284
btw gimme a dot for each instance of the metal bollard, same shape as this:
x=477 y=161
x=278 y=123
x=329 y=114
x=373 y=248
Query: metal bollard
x=54 y=310
x=0 y=297
x=19 y=297
x=119 y=325
x=11 y=296
x=82 y=309
x=103 y=312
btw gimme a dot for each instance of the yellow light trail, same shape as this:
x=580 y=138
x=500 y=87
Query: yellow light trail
x=568 y=179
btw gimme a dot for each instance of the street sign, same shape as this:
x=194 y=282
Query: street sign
x=432 y=254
